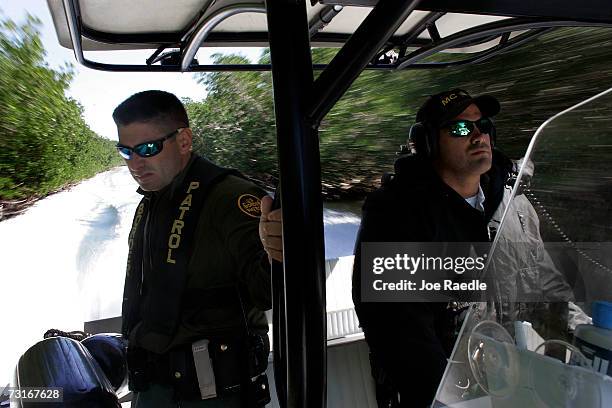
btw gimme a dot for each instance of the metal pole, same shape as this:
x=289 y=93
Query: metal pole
x=324 y=17
x=300 y=177
x=358 y=51
x=74 y=29
x=206 y=26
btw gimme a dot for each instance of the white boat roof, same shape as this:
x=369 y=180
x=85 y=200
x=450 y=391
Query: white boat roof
x=147 y=17
x=483 y=26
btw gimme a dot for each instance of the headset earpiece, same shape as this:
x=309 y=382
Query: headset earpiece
x=421 y=141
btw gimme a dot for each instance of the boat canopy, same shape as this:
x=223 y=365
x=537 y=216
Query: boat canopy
x=174 y=31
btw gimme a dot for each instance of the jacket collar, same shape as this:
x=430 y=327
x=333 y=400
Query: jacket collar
x=415 y=172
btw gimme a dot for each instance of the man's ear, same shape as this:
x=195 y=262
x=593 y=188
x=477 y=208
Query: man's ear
x=184 y=140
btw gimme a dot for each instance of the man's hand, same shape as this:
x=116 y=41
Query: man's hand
x=271 y=230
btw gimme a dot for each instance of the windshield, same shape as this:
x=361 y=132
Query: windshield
x=550 y=259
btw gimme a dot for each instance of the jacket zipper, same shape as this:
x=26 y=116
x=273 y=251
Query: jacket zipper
x=147 y=238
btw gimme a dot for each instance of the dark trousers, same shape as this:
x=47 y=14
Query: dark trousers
x=408 y=353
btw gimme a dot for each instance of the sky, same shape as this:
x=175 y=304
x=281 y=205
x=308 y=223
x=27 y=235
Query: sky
x=100 y=92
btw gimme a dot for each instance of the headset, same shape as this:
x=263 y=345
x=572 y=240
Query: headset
x=423 y=140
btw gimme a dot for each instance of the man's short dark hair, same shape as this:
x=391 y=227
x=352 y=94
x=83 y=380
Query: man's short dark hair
x=151 y=106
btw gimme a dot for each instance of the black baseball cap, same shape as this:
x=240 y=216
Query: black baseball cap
x=441 y=108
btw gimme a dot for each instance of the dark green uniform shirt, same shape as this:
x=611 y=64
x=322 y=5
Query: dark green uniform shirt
x=227 y=251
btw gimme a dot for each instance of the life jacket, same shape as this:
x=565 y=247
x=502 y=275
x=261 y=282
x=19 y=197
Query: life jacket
x=176 y=216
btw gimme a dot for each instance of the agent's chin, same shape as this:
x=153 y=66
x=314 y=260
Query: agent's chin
x=147 y=185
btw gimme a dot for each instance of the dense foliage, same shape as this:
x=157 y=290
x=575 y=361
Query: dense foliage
x=44 y=141
x=235 y=126
x=359 y=137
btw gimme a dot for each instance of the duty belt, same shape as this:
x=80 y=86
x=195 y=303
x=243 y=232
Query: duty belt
x=235 y=362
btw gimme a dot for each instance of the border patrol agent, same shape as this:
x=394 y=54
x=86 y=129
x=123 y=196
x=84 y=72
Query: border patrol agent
x=198 y=278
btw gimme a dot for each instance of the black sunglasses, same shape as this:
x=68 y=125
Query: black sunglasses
x=463 y=127
x=146 y=149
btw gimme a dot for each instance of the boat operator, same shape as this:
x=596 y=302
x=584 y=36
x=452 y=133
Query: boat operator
x=452 y=187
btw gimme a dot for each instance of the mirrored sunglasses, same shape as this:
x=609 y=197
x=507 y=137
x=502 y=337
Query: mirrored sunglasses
x=463 y=127
x=146 y=149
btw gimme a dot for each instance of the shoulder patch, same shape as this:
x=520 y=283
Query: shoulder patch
x=250 y=205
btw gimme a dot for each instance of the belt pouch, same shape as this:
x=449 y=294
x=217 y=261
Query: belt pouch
x=229 y=361
x=183 y=375
x=138 y=377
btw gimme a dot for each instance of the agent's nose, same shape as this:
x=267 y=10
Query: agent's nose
x=135 y=163
x=478 y=136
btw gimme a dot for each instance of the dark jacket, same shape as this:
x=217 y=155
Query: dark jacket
x=415 y=205
x=226 y=253
x=411 y=341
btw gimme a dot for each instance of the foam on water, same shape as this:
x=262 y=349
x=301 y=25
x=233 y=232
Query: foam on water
x=63 y=261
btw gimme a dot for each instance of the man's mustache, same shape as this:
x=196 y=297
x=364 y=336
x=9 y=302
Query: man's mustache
x=140 y=172
x=479 y=146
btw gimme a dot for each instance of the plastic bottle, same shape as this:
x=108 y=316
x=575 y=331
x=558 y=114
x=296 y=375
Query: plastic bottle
x=595 y=340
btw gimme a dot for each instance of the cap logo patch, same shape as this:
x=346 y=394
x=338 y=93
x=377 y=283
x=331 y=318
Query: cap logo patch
x=447 y=99
x=250 y=205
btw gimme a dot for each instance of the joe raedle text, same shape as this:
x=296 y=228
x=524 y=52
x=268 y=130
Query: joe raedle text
x=417 y=272
x=423 y=285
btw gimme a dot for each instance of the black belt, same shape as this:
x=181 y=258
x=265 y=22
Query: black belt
x=230 y=361
x=253 y=389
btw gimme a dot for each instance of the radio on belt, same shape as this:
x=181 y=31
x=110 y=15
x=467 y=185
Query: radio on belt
x=204 y=369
